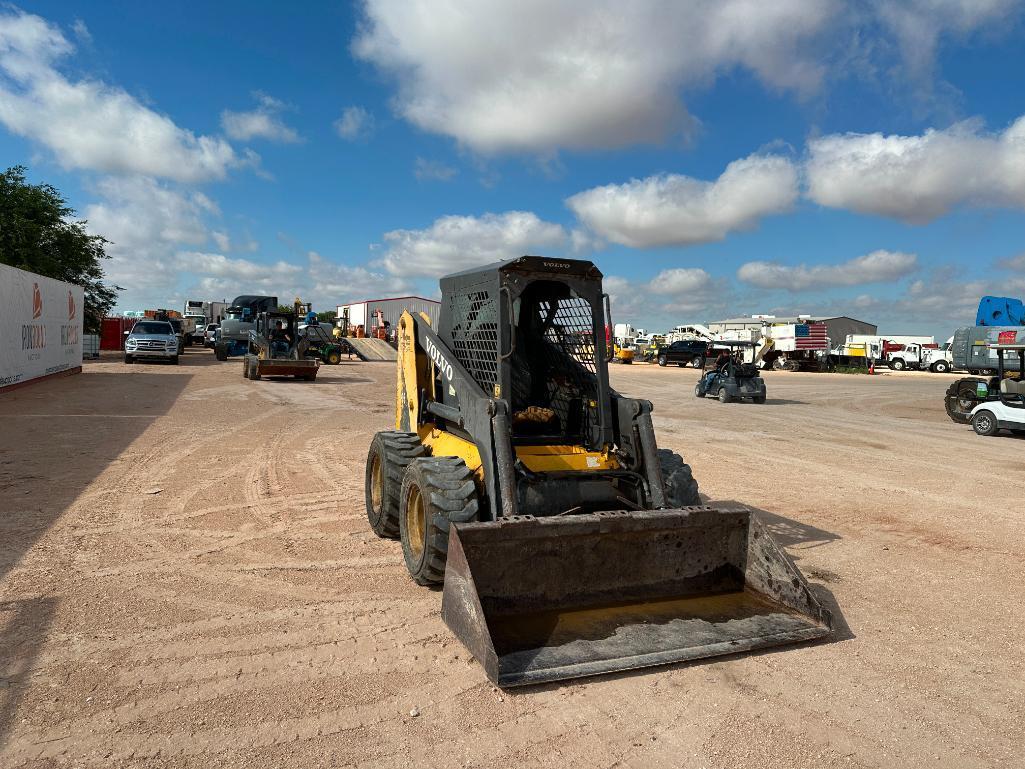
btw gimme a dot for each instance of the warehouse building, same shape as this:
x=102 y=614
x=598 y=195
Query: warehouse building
x=839 y=327
x=363 y=313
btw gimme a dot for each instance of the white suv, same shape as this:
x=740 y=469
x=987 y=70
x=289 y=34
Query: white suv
x=152 y=339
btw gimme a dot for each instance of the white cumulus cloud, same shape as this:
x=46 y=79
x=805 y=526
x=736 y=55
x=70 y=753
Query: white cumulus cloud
x=680 y=280
x=458 y=242
x=146 y=223
x=315 y=278
x=919 y=178
x=263 y=122
x=877 y=267
x=673 y=209
x=89 y=124
x=355 y=123
x=433 y=170
x=918 y=25
x=538 y=75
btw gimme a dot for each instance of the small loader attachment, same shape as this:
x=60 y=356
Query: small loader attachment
x=550 y=598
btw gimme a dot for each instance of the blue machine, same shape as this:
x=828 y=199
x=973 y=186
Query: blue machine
x=1000 y=311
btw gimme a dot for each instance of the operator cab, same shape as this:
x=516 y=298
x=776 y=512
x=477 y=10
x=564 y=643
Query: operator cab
x=554 y=391
x=282 y=341
x=532 y=331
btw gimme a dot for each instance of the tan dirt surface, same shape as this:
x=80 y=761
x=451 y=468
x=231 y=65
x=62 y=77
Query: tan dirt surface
x=187 y=579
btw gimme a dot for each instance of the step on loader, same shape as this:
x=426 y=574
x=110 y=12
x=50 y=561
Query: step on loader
x=568 y=543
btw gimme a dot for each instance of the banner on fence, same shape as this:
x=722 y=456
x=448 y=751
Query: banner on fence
x=40 y=326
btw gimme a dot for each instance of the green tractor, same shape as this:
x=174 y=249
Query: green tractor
x=320 y=344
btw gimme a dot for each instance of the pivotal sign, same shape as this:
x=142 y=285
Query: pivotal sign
x=40 y=326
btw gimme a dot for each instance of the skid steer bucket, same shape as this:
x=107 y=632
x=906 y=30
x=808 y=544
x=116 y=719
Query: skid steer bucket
x=543 y=599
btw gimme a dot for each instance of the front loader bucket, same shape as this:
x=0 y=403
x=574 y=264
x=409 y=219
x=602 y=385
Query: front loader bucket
x=286 y=367
x=544 y=599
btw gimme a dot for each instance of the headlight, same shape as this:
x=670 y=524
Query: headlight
x=171 y=343
x=131 y=343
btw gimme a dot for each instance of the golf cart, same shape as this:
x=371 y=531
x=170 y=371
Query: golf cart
x=1005 y=409
x=733 y=380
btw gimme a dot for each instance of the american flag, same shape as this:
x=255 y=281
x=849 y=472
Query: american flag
x=810 y=336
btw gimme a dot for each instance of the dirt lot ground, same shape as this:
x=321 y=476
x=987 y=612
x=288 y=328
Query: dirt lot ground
x=187 y=579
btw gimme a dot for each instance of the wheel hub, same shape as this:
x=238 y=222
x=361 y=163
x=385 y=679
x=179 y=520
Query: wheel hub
x=416 y=521
x=376 y=484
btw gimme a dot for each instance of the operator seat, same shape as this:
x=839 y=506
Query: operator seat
x=1013 y=390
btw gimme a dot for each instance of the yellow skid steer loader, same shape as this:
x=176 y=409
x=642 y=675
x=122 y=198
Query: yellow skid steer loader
x=569 y=544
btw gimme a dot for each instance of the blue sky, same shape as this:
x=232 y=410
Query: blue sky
x=714 y=158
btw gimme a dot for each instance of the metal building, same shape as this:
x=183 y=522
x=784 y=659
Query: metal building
x=362 y=313
x=843 y=325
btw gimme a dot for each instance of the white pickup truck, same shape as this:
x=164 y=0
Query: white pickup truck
x=915 y=356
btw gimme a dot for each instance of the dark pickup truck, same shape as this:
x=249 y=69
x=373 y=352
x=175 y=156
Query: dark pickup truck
x=687 y=352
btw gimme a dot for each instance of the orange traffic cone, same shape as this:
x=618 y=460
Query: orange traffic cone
x=872 y=366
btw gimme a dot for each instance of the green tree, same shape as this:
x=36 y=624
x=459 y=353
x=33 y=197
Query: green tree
x=38 y=233
x=328 y=316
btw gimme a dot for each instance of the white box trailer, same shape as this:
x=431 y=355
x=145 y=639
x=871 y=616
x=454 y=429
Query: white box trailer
x=41 y=322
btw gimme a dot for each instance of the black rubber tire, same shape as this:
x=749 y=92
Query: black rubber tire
x=129 y=359
x=723 y=396
x=333 y=358
x=699 y=363
x=663 y=360
x=698 y=393
x=758 y=399
x=985 y=423
x=446 y=489
x=221 y=351
x=678 y=480
x=396 y=450
x=898 y=364
x=960 y=399
x=254 y=368
x=941 y=367
x=245 y=367
x=174 y=361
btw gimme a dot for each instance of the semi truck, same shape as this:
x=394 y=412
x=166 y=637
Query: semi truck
x=232 y=338
x=197 y=314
